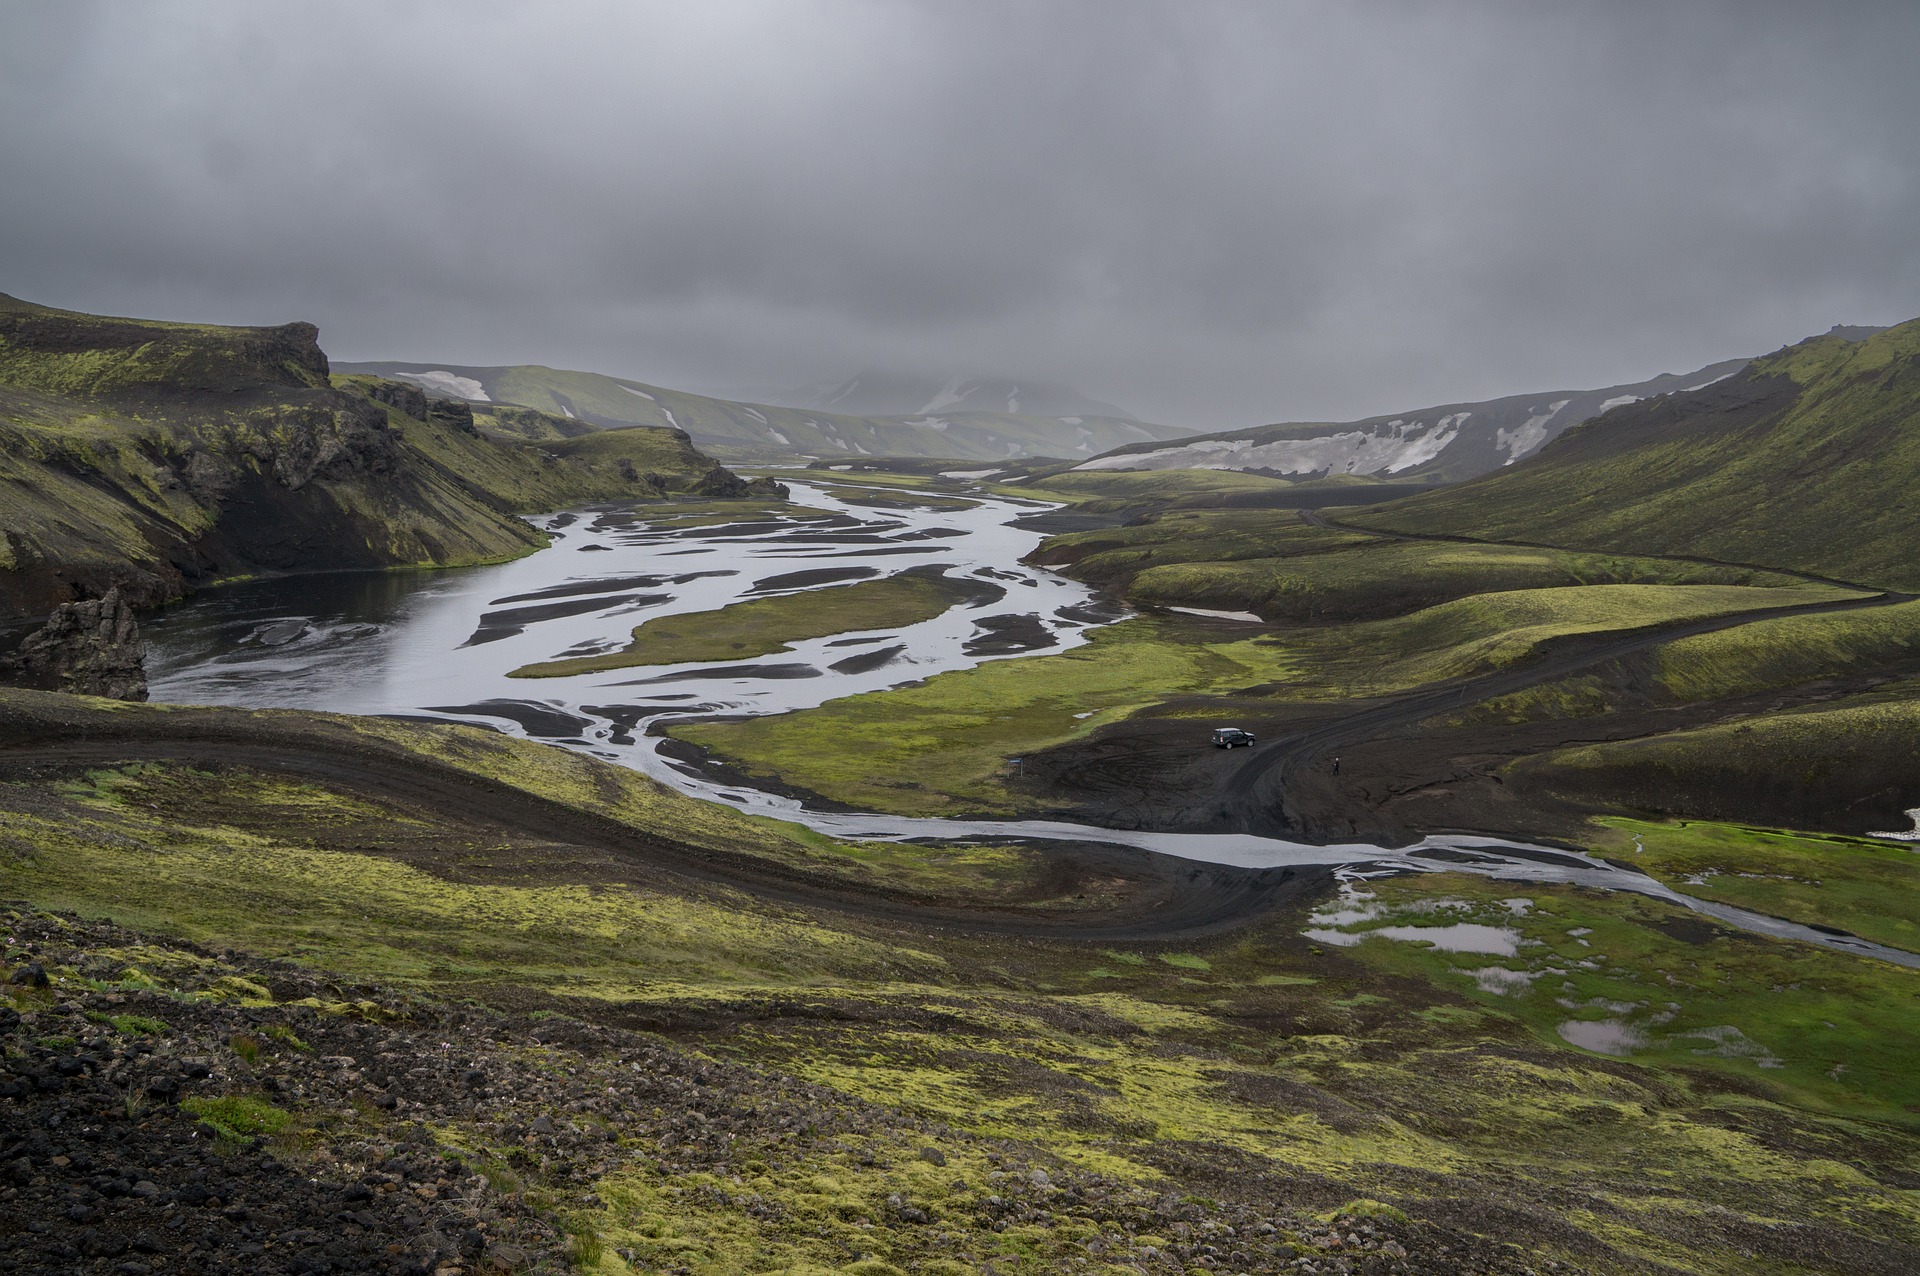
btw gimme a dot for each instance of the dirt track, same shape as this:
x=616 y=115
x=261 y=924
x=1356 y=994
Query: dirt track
x=1160 y=897
x=1254 y=797
x=1155 y=771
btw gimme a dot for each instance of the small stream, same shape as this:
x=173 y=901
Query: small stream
x=440 y=644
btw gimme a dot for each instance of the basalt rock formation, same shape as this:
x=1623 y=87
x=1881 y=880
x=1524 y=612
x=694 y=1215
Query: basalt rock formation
x=90 y=648
x=720 y=483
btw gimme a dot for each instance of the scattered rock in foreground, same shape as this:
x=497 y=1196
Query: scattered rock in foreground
x=167 y=1109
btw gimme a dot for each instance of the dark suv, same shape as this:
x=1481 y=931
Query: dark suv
x=1229 y=737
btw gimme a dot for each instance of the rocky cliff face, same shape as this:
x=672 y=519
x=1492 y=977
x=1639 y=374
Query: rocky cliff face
x=153 y=457
x=90 y=648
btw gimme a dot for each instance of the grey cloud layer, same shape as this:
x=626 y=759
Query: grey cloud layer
x=1214 y=213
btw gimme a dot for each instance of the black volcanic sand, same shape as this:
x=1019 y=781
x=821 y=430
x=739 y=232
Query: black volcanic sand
x=811 y=577
x=534 y=718
x=575 y=588
x=884 y=549
x=868 y=660
x=1099 y=611
x=1003 y=635
x=605 y=585
x=513 y=621
x=791 y=670
x=627 y=717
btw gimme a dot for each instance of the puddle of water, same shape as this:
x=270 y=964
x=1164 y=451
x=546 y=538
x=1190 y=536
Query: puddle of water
x=1503 y=982
x=1603 y=1036
x=1461 y=937
x=1728 y=1042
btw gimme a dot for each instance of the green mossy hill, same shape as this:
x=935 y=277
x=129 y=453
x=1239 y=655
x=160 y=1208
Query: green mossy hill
x=1121 y=491
x=1284 y=568
x=1853 y=761
x=528 y=425
x=1136 y=493
x=1789 y=651
x=746 y=430
x=762 y=626
x=1808 y=460
x=64 y=352
x=159 y=456
x=1863 y=886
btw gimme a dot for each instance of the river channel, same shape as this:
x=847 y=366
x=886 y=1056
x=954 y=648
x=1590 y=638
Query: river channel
x=441 y=644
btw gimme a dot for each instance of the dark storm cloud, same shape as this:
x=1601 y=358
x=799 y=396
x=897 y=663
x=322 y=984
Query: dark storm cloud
x=1213 y=213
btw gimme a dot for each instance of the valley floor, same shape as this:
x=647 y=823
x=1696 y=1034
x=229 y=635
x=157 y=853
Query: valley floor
x=619 y=1056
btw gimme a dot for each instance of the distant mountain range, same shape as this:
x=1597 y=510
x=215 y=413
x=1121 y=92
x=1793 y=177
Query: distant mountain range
x=962 y=419
x=1807 y=458
x=1444 y=444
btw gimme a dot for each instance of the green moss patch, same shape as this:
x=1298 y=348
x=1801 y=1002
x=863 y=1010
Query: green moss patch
x=239 y=1117
x=1864 y=887
x=944 y=744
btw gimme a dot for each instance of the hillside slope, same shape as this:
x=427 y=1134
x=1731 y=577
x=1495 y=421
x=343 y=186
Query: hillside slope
x=763 y=430
x=153 y=456
x=1443 y=444
x=1808 y=459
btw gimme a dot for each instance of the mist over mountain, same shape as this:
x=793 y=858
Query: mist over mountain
x=975 y=420
x=872 y=392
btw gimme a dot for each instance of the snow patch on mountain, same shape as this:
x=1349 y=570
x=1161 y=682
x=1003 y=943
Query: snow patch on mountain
x=447 y=383
x=640 y=394
x=1389 y=449
x=1527 y=438
x=950 y=394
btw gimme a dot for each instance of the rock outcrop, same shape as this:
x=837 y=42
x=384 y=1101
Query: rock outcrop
x=89 y=648
x=720 y=483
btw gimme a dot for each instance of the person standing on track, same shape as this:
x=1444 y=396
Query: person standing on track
x=1336 y=766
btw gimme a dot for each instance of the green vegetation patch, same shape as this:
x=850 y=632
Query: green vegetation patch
x=1489 y=631
x=1633 y=977
x=1868 y=888
x=216 y=877
x=943 y=744
x=1120 y=491
x=761 y=626
x=239 y=1117
x=1283 y=568
x=1789 y=650
x=1766 y=767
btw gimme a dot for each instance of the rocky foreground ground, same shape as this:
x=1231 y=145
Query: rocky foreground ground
x=166 y=1109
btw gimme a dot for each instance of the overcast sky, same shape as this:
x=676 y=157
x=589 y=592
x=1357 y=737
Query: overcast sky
x=1211 y=213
